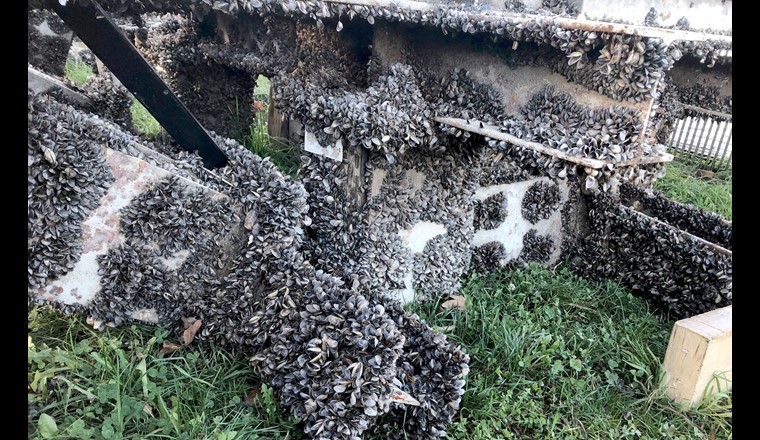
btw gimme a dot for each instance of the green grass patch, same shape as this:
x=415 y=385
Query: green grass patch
x=77 y=71
x=115 y=384
x=284 y=154
x=143 y=121
x=554 y=356
x=681 y=184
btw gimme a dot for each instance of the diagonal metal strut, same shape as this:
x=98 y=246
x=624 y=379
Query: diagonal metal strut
x=97 y=30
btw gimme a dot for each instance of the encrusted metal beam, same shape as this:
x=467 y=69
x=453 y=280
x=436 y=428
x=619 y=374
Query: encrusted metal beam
x=494 y=133
x=668 y=35
x=97 y=30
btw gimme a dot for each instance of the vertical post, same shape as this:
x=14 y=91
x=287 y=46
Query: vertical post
x=356 y=162
x=277 y=125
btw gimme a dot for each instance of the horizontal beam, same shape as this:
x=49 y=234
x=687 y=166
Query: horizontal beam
x=494 y=133
x=706 y=111
x=40 y=82
x=687 y=235
x=668 y=35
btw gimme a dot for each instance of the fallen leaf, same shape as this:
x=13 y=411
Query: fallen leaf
x=169 y=348
x=456 y=301
x=139 y=355
x=189 y=334
x=95 y=323
x=250 y=219
x=252 y=397
x=147 y=409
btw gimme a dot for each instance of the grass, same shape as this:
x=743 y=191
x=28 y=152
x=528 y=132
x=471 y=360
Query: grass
x=143 y=121
x=77 y=71
x=552 y=356
x=681 y=184
x=116 y=384
x=555 y=356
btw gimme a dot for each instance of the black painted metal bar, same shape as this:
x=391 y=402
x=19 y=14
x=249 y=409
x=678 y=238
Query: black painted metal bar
x=98 y=31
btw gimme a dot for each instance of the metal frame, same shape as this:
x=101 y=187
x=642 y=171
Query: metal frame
x=97 y=30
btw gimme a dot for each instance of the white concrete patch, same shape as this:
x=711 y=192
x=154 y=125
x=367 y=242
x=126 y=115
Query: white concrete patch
x=145 y=315
x=417 y=237
x=510 y=232
x=405 y=295
x=334 y=152
x=418 y=179
x=378 y=175
x=100 y=231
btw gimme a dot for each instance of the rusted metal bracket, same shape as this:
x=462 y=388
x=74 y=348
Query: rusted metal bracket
x=97 y=30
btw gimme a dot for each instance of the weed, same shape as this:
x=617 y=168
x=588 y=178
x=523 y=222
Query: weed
x=681 y=184
x=77 y=71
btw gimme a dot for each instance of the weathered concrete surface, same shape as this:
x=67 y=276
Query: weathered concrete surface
x=511 y=231
x=101 y=231
x=515 y=85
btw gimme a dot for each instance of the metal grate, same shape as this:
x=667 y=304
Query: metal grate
x=703 y=135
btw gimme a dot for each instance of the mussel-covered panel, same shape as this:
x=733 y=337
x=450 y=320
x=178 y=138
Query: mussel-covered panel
x=49 y=40
x=706 y=225
x=669 y=267
x=226 y=248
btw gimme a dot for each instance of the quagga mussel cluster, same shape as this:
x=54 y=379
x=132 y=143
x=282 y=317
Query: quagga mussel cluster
x=624 y=67
x=335 y=353
x=685 y=276
x=48 y=40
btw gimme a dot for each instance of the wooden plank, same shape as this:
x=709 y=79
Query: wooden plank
x=277 y=124
x=706 y=111
x=494 y=133
x=668 y=35
x=40 y=82
x=699 y=357
x=687 y=235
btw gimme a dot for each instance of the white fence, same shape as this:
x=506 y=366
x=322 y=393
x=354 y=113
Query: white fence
x=704 y=135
